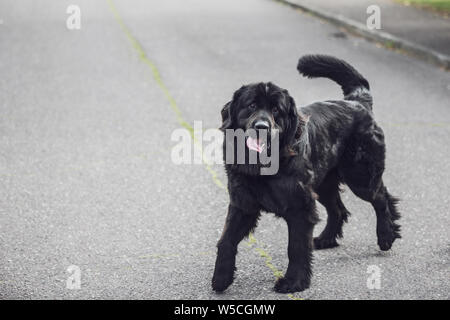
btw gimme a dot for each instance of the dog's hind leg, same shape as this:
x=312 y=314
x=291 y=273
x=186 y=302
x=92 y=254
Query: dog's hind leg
x=363 y=172
x=329 y=197
x=385 y=206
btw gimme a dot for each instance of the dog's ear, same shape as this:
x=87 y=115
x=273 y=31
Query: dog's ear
x=226 y=117
x=292 y=130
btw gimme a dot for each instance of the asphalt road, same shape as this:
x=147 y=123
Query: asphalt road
x=87 y=178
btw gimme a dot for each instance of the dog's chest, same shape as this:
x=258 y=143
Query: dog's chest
x=279 y=195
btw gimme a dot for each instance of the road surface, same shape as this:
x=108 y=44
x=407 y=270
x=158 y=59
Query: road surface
x=87 y=178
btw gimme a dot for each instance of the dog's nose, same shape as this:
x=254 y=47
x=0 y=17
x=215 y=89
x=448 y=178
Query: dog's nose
x=262 y=124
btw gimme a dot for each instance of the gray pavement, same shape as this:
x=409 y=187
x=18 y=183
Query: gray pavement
x=423 y=27
x=85 y=152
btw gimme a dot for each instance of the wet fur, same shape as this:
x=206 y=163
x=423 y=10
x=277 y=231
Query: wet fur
x=323 y=145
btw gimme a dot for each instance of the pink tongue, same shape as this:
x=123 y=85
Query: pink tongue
x=253 y=144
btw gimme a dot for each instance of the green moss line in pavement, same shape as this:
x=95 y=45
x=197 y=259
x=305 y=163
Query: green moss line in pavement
x=157 y=77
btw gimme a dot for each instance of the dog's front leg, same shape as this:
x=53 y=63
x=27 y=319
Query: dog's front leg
x=298 y=274
x=237 y=226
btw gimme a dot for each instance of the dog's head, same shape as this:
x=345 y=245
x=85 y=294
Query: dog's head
x=263 y=107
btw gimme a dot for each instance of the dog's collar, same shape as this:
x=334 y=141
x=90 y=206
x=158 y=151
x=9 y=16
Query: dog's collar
x=303 y=140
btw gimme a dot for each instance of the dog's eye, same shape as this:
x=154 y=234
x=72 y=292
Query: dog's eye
x=252 y=106
x=275 y=110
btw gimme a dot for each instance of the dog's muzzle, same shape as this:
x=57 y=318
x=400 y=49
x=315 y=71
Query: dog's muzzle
x=259 y=140
x=261 y=125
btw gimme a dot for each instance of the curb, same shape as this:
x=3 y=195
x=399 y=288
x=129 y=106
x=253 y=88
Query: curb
x=387 y=39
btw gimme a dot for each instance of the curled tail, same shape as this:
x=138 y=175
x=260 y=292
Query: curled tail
x=353 y=84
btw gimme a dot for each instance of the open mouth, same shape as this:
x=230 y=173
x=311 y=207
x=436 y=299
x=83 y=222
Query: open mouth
x=255 y=144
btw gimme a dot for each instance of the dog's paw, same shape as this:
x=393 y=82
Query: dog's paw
x=324 y=243
x=285 y=285
x=221 y=282
x=384 y=245
x=387 y=236
x=386 y=240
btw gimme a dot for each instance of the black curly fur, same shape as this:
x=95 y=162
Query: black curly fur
x=326 y=144
x=353 y=84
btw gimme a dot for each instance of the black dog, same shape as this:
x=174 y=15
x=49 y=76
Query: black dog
x=324 y=145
